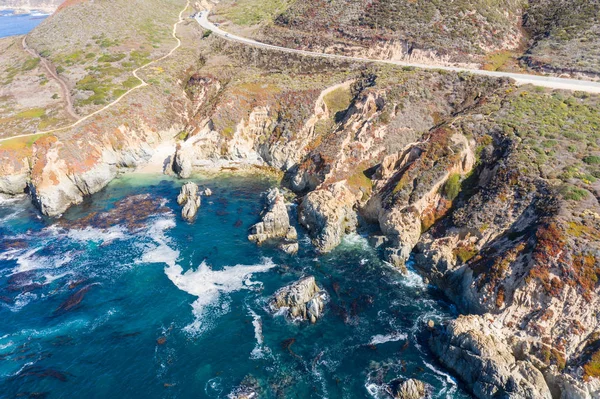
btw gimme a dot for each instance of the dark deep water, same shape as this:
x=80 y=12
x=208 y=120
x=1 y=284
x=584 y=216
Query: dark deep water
x=19 y=24
x=148 y=306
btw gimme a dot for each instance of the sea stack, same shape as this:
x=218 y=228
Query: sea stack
x=275 y=224
x=303 y=299
x=189 y=198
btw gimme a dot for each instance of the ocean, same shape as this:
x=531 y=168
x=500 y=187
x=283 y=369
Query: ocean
x=124 y=299
x=19 y=24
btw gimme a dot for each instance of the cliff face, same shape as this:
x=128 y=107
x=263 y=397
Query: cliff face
x=456 y=174
x=488 y=189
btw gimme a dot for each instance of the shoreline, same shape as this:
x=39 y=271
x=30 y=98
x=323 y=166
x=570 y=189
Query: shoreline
x=29 y=10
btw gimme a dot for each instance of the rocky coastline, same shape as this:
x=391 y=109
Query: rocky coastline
x=432 y=162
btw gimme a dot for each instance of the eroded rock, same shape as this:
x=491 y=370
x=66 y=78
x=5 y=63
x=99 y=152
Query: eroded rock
x=190 y=199
x=476 y=352
x=328 y=215
x=275 y=224
x=408 y=389
x=303 y=300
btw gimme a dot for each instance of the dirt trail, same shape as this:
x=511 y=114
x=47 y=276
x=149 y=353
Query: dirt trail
x=143 y=83
x=52 y=72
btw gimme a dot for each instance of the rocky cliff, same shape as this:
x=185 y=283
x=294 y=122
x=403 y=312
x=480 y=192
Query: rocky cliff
x=490 y=190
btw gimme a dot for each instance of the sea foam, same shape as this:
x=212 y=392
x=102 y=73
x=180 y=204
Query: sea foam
x=382 y=339
x=208 y=285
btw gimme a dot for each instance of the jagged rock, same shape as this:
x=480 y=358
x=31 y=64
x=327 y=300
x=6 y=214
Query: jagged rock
x=289 y=248
x=408 y=389
x=328 y=216
x=190 y=199
x=275 y=224
x=377 y=241
x=207 y=192
x=248 y=389
x=477 y=354
x=303 y=299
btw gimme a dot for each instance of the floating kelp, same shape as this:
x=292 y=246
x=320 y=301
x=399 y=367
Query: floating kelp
x=131 y=212
x=74 y=300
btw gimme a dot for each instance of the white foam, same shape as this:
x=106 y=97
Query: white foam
x=6 y=345
x=355 y=240
x=97 y=235
x=208 y=285
x=449 y=382
x=21 y=301
x=382 y=339
x=259 y=350
x=161 y=253
x=7 y=200
x=257 y=323
x=413 y=280
x=29 y=261
x=376 y=391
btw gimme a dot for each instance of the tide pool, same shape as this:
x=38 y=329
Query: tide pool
x=123 y=299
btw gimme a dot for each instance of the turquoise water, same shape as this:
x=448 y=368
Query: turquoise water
x=124 y=299
x=19 y=24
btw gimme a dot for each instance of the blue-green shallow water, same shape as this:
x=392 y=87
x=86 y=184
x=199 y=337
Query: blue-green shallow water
x=94 y=312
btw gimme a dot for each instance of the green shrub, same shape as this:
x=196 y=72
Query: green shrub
x=592 y=160
x=451 y=188
x=30 y=64
x=111 y=57
x=573 y=193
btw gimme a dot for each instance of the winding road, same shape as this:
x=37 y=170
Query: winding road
x=520 y=79
x=143 y=83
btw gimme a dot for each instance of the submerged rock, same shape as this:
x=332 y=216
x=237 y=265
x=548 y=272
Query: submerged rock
x=275 y=224
x=248 y=389
x=408 y=389
x=189 y=198
x=478 y=355
x=132 y=212
x=302 y=299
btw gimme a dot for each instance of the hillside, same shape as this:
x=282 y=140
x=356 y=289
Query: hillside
x=490 y=190
x=565 y=36
x=511 y=35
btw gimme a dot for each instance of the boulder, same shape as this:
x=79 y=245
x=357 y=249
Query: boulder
x=328 y=215
x=275 y=224
x=207 y=192
x=248 y=389
x=477 y=353
x=408 y=389
x=289 y=248
x=190 y=199
x=303 y=300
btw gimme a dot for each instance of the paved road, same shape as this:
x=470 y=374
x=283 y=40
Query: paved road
x=545 y=81
x=135 y=73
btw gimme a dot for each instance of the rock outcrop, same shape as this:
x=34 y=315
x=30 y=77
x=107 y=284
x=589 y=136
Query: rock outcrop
x=190 y=199
x=408 y=389
x=302 y=300
x=478 y=355
x=328 y=216
x=275 y=224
